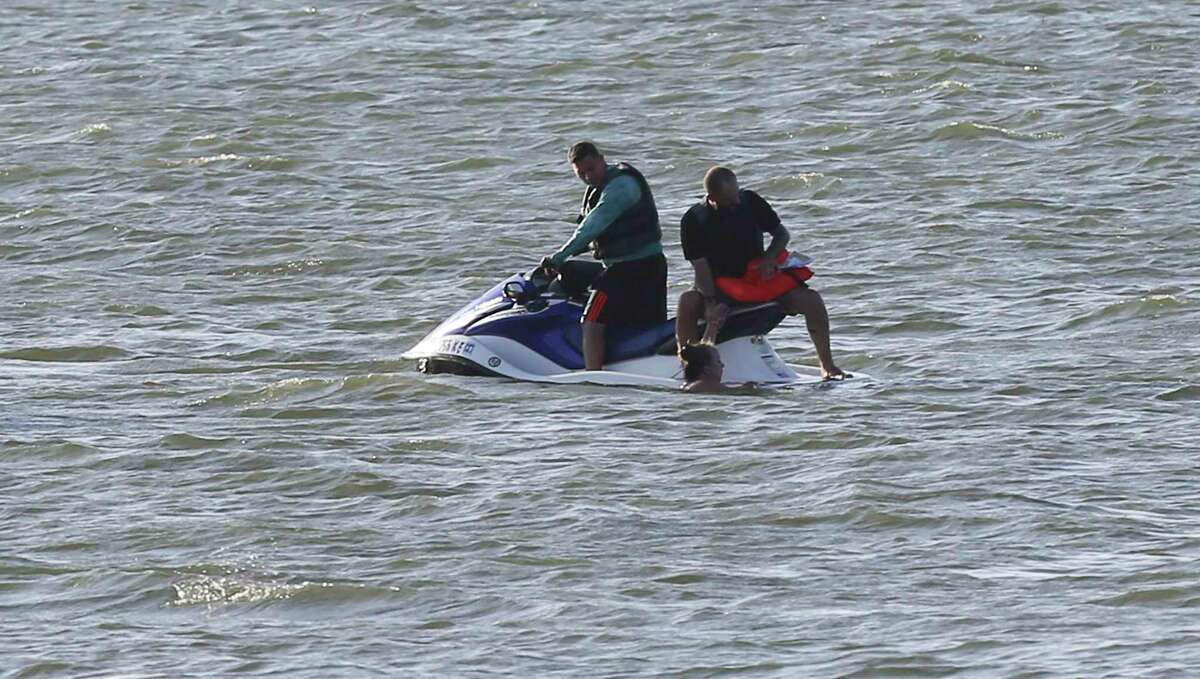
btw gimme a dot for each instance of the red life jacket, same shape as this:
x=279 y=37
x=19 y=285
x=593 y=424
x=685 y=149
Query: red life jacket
x=751 y=287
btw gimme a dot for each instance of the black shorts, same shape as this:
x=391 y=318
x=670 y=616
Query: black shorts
x=630 y=293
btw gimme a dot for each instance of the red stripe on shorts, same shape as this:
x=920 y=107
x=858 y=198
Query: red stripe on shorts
x=598 y=301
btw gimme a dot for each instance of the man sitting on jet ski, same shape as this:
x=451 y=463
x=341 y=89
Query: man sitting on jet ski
x=722 y=237
x=619 y=222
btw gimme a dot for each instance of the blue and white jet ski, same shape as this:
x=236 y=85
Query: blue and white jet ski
x=527 y=327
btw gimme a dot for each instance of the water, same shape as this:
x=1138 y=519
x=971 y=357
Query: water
x=221 y=223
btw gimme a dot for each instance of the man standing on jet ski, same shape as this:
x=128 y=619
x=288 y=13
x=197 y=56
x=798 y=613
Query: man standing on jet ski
x=619 y=222
x=722 y=237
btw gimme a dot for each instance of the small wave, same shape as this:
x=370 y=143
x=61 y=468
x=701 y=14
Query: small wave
x=237 y=147
x=1149 y=306
x=371 y=380
x=241 y=588
x=137 y=309
x=1016 y=390
x=270 y=163
x=682 y=579
x=959 y=57
x=1151 y=87
x=740 y=58
x=970 y=37
x=470 y=164
x=272 y=393
x=267 y=162
x=1157 y=596
x=1188 y=393
x=1050 y=9
x=425 y=445
x=948 y=86
x=1015 y=204
x=919 y=328
x=971 y=131
x=16 y=173
x=101 y=231
x=45 y=668
x=209 y=160
x=206 y=590
x=79 y=354
x=824 y=130
x=555 y=68
x=841 y=149
x=433 y=23
x=55 y=450
x=878 y=518
x=308 y=389
x=668 y=98
x=361 y=484
x=343 y=97
x=892 y=43
x=1160 y=160
x=95 y=131
x=306 y=414
x=803 y=180
x=185 y=441
x=291 y=266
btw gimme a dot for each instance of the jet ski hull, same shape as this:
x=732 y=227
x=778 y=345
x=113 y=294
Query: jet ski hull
x=537 y=338
x=746 y=359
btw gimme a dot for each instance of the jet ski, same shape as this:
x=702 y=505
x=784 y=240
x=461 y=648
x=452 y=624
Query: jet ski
x=527 y=327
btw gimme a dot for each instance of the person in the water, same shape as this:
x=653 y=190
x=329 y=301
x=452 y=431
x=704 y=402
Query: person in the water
x=619 y=222
x=703 y=368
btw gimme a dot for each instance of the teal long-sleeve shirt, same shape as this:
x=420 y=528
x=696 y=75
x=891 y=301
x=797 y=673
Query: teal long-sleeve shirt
x=618 y=196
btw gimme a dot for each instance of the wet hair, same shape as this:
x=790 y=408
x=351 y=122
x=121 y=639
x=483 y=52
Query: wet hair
x=696 y=358
x=718 y=176
x=582 y=151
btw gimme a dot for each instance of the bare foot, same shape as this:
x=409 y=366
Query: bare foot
x=834 y=374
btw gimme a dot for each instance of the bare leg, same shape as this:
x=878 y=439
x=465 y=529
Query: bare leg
x=687 y=317
x=807 y=302
x=593 y=345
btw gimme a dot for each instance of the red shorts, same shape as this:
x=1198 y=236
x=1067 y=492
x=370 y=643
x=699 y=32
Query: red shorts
x=751 y=287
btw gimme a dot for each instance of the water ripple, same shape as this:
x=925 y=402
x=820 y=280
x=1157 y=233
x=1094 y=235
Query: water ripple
x=220 y=226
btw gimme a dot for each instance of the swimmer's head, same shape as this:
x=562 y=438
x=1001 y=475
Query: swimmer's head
x=701 y=361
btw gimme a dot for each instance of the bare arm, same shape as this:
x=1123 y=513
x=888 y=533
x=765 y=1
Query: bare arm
x=779 y=241
x=715 y=315
x=714 y=311
x=769 y=265
x=704 y=279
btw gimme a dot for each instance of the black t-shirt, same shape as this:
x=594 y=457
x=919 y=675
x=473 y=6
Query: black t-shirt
x=729 y=239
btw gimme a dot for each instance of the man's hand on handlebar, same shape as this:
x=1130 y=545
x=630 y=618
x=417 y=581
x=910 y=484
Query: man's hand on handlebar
x=546 y=269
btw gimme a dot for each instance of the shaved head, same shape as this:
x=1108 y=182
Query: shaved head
x=721 y=185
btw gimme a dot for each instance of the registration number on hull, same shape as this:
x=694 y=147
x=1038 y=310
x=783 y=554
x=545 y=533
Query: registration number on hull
x=458 y=347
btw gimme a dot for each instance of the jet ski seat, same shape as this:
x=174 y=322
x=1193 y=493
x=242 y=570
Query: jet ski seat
x=627 y=342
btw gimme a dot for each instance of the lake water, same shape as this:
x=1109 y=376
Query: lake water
x=222 y=222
